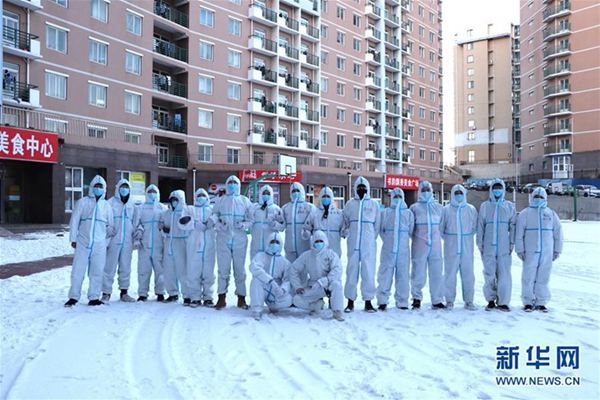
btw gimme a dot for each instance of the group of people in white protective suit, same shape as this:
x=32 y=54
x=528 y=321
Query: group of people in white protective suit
x=181 y=243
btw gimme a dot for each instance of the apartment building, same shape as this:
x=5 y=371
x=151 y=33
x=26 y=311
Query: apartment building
x=487 y=99
x=560 y=80
x=185 y=93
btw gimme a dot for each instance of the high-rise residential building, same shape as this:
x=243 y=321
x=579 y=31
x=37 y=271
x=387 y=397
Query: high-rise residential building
x=185 y=93
x=486 y=98
x=560 y=86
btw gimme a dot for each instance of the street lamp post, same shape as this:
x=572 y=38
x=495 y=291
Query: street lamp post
x=194 y=180
x=442 y=193
x=516 y=174
x=349 y=186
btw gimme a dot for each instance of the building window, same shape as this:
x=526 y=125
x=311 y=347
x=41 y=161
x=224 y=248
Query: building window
x=324 y=84
x=341 y=114
x=356 y=118
x=432 y=136
x=206 y=51
x=133 y=63
x=411 y=152
x=356 y=20
x=341 y=63
x=235 y=27
x=470 y=72
x=357 y=143
x=357 y=166
x=356 y=69
x=56 y=85
x=544 y=165
x=422 y=133
x=99 y=10
x=471 y=156
x=97 y=95
x=356 y=44
x=324 y=138
x=432 y=156
x=422 y=154
x=205 y=152
x=470 y=59
x=470 y=84
x=233 y=122
x=98 y=132
x=98 y=52
x=162 y=150
x=54 y=125
x=323 y=162
x=421 y=113
x=357 y=93
x=133 y=103
x=234 y=58
x=341 y=89
x=324 y=31
x=205 y=118
x=56 y=39
x=207 y=17
x=471 y=124
x=530 y=168
x=470 y=110
x=205 y=84
x=60 y=2
x=421 y=31
x=233 y=155
x=470 y=97
x=341 y=12
x=341 y=38
x=133 y=137
x=134 y=23
x=324 y=111
x=73 y=187
x=234 y=90
x=341 y=140
x=470 y=135
x=340 y=164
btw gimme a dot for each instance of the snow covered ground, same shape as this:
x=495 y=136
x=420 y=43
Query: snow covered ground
x=167 y=351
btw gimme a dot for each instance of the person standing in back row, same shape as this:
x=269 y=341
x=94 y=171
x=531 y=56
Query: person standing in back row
x=327 y=218
x=295 y=214
x=267 y=217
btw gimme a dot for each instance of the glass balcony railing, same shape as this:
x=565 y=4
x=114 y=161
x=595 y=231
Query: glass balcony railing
x=166 y=11
x=166 y=84
x=168 y=49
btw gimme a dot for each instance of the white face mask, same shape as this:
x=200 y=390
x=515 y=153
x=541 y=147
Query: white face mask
x=200 y=201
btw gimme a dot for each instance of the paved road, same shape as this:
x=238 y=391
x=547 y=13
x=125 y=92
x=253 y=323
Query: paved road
x=32 y=267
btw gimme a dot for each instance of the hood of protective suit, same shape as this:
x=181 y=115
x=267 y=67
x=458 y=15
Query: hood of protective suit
x=326 y=191
x=319 y=235
x=118 y=185
x=298 y=185
x=205 y=193
x=97 y=179
x=362 y=181
x=495 y=181
x=275 y=235
x=539 y=192
x=453 y=201
x=236 y=179
x=180 y=196
x=398 y=191
x=422 y=185
x=150 y=187
x=264 y=189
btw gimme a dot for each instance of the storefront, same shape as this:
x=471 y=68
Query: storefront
x=409 y=184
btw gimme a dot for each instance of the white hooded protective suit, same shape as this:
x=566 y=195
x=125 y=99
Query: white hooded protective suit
x=495 y=240
x=397 y=224
x=88 y=228
x=266 y=218
x=200 y=249
x=328 y=219
x=150 y=254
x=269 y=269
x=120 y=247
x=324 y=271
x=458 y=231
x=295 y=214
x=175 y=248
x=539 y=236
x=232 y=217
x=362 y=218
x=427 y=247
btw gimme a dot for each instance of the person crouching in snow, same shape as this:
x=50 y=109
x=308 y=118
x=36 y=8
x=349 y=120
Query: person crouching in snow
x=89 y=229
x=120 y=247
x=323 y=269
x=458 y=231
x=267 y=217
x=200 y=249
x=538 y=242
x=397 y=224
x=270 y=283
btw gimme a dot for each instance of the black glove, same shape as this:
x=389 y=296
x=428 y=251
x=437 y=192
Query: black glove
x=185 y=220
x=166 y=230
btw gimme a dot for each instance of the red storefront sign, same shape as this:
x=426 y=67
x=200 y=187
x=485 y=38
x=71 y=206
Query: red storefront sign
x=248 y=175
x=401 y=181
x=24 y=144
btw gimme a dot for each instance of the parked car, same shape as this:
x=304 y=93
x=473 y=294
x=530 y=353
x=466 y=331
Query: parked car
x=585 y=191
x=530 y=187
x=557 y=188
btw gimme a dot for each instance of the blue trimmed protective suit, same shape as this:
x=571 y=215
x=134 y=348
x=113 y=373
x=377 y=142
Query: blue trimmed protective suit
x=539 y=240
x=426 y=251
x=200 y=248
x=458 y=231
x=268 y=271
x=175 y=248
x=362 y=218
x=324 y=271
x=267 y=217
x=89 y=228
x=120 y=247
x=333 y=225
x=295 y=214
x=397 y=225
x=232 y=216
x=150 y=253
x=496 y=240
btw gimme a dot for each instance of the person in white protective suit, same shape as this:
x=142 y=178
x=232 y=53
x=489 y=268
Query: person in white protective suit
x=270 y=282
x=362 y=219
x=120 y=246
x=323 y=269
x=496 y=241
x=200 y=249
x=426 y=251
x=538 y=242
x=397 y=224
x=150 y=246
x=327 y=218
x=232 y=217
x=175 y=249
x=458 y=231
x=90 y=226
x=267 y=216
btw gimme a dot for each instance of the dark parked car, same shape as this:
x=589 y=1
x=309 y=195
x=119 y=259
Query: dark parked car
x=530 y=187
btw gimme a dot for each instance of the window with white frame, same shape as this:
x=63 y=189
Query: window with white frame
x=205 y=118
x=356 y=44
x=162 y=150
x=341 y=114
x=340 y=163
x=421 y=154
x=97 y=131
x=471 y=123
x=205 y=84
x=133 y=137
x=357 y=93
x=470 y=84
x=55 y=125
x=324 y=31
x=422 y=133
x=234 y=58
x=341 y=12
x=56 y=38
x=98 y=52
x=357 y=142
x=233 y=122
x=411 y=152
x=73 y=187
x=56 y=85
x=97 y=94
x=421 y=112
x=432 y=116
x=324 y=84
x=233 y=155
x=432 y=156
x=341 y=89
x=341 y=38
x=471 y=156
x=341 y=63
x=133 y=102
x=205 y=152
x=341 y=140
x=207 y=17
x=234 y=90
x=356 y=118
x=470 y=72
x=470 y=59
x=470 y=97
x=235 y=27
x=470 y=135
x=60 y=2
x=356 y=69
x=99 y=10
x=206 y=51
x=324 y=111
x=323 y=162
x=134 y=23
x=324 y=138
x=133 y=63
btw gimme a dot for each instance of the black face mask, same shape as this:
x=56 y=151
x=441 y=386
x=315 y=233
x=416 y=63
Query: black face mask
x=361 y=193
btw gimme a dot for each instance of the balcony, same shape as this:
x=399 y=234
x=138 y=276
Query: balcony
x=288 y=24
x=560 y=10
x=392 y=109
x=287 y=111
x=165 y=10
x=556 y=110
x=310 y=87
x=557 y=70
x=557 y=150
x=170 y=161
x=405 y=92
x=310 y=116
x=288 y=52
x=373 y=130
x=550 y=33
x=309 y=32
x=20 y=94
x=405 y=48
x=270 y=137
x=373 y=105
x=372 y=58
x=405 y=114
x=166 y=84
x=391 y=40
x=373 y=11
x=168 y=49
x=373 y=35
x=557 y=51
x=406 y=136
x=392 y=63
x=392 y=132
x=373 y=82
x=259 y=13
x=262 y=75
x=404 y=26
x=405 y=6
x=262 y=45
x=557 y=90
x=405 y=70
x=168 y=123
x=406 y=158
x=262 y=106
x=32 y=5
x=312 y=60
x=558 y=130
x=391 y=19
x=392 y=86
x=392 y=154
x=288 y=81
x=21 y=44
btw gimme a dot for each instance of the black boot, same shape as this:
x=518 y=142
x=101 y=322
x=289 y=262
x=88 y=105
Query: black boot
x=221 y=303
x=142 y=298
x=369 y=307
x=95 y=303
x=172 y=299
x=186 y=302
x=70 y=303
x=382 y=307
x=350 y=306
x=242 y=302
x=160 y=298
x=416 y=304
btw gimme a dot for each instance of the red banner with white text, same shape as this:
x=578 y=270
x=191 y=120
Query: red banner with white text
x=28 y=145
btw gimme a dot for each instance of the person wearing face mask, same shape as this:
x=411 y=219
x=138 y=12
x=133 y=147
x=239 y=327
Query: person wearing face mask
x=267 y=216
x=323 y=270
x=270 y=282
x=362 y=219
x=200 y=248
x=90 y=226
x=496 y=241
x=327 y=218
x=397 y=224
x=175 y=249
x=120 y=247
x=538 y=242
x=458 y=231
x=150 y=253
x=232 y=216
x=426 y=251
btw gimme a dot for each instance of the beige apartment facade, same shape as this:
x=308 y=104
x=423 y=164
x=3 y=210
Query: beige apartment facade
x=560 y=63
x=185 y=93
